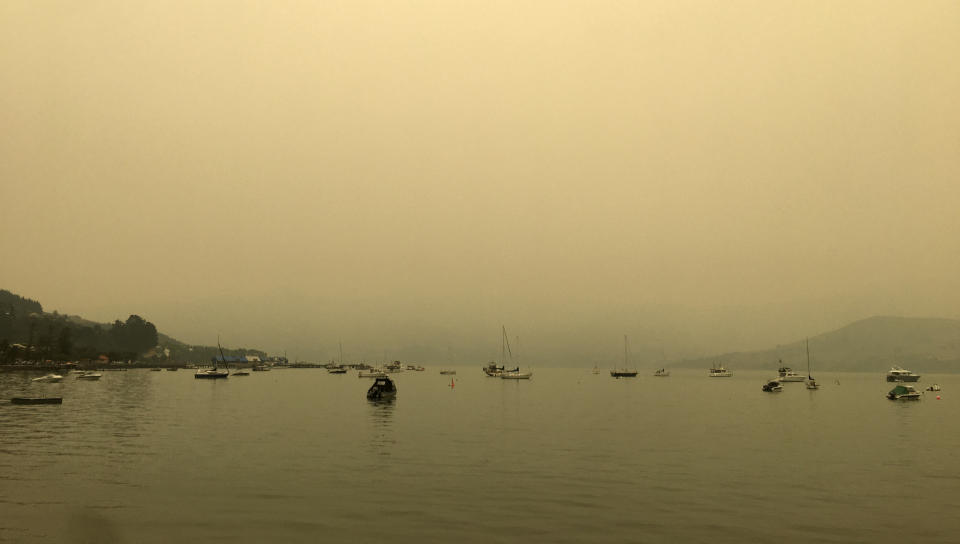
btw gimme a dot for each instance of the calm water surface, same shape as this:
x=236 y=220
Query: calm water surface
x=299 y=455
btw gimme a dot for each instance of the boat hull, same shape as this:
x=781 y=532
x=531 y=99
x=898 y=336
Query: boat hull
x=210 y=375
x=910 y=396
x=37 y=400
x=908 y=378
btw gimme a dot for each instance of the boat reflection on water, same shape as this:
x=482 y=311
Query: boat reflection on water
x=381 y=424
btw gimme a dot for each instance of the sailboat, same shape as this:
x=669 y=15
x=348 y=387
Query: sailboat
x=213 y=373
x=624 y=372
x=514 y=374
x=811 y=383
x=339 y=369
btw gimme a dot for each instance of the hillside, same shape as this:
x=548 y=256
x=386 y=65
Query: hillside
x=28 y=332
x=873 y=344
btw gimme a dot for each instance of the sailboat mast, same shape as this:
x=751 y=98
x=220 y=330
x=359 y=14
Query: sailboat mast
x=808 y=358
x=503 y=348
x=625 y=352
x=221 y=353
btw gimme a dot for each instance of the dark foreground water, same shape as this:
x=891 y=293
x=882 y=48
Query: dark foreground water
x=299 y=455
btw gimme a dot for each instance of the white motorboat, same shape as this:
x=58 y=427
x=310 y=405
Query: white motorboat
x=89 y=375
x=787 y=374
x=372 y=373
x=661 y=373
x=49 y=378
x=897 y=374
x=720 y=372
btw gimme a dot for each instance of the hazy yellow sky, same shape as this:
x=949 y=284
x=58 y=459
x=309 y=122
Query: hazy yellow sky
x=700 y=175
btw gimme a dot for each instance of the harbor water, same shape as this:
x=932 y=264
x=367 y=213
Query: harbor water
x=300 y=455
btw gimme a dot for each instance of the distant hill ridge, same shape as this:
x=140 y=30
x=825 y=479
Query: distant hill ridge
x=28 y=332
x=872 y=344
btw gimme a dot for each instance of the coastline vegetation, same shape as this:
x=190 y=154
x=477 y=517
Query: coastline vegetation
x=30 y=335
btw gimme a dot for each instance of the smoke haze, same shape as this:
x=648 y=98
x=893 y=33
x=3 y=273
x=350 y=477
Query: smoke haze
x=409 y=176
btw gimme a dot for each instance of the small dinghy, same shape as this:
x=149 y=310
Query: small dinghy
x=382 y=389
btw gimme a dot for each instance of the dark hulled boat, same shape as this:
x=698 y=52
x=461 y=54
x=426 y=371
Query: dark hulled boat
x=382 y=389
x=37 y=400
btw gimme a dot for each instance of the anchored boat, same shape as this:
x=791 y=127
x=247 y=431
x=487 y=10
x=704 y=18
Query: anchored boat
x=36 y=400
x=773 y=386
x=213 y=373
x=719 y=372
x=624 y=372
x=897 y=374
x=903 y=392
x=382 y=389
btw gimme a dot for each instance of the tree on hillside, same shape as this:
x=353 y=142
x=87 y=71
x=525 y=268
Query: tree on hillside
x=141 y=334
x=65 y=344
